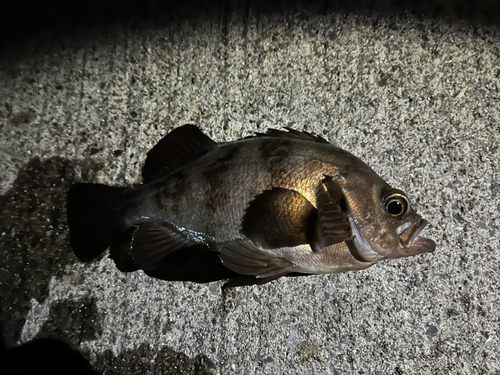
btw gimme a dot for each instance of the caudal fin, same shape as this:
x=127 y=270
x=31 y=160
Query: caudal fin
x=96 y=218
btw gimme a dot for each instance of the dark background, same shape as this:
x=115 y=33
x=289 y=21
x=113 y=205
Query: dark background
x=28 y=24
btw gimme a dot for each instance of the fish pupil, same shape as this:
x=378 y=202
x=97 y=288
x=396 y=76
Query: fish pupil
x=395 y=207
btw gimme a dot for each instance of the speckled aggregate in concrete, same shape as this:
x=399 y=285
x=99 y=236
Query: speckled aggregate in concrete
x=417 y=99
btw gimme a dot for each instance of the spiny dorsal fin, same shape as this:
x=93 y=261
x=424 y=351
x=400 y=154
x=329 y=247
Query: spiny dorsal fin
x=179 y=147
x=291 y=133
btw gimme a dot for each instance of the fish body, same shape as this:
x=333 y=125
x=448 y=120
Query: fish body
x=277 y=204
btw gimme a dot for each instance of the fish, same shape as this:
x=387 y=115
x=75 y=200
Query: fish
x=280 y=203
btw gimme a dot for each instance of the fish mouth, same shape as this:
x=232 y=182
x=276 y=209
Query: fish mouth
x=413 y=243
x=410 y=243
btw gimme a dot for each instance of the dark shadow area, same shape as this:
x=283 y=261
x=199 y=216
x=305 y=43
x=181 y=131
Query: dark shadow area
x=44 y=357
x=34 y=243
x=50 y=355
x=28 y=25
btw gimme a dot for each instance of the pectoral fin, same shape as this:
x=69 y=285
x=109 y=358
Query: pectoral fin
x=333 y=224
x=243 y=257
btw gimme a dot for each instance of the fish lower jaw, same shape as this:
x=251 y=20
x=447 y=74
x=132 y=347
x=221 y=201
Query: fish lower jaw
x=422 y=245
x=414 y=244
x=409 y=235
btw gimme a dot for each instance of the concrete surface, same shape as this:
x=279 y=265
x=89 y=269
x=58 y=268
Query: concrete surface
x=416 y=98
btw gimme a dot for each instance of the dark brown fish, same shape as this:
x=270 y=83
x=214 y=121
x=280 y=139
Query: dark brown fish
x=278 y=204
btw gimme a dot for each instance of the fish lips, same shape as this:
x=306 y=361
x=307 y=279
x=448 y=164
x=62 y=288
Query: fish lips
x=412 y=243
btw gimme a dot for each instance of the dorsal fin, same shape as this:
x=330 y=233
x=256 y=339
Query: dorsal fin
x=179 y=147
x=291 y=133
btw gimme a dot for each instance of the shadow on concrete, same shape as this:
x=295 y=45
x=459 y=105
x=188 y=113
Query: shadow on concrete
x=34 y=236
x=45 y=356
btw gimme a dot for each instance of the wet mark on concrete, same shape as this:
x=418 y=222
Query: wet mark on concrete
x=75 y=321
x=144 y=360
x=309 y=350
x=34 y=241
x=24 y=117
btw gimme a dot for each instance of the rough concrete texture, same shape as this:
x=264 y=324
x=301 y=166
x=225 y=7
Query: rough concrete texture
x=416 y=98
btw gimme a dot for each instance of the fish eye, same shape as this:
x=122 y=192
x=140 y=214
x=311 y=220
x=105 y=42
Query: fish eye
x=396 y=204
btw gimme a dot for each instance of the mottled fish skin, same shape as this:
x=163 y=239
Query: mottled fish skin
x=282 y=203
x=209 y=196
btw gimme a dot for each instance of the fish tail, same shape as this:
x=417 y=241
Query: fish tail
x=96 y=218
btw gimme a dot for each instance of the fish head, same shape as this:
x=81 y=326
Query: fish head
x=384 y=224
